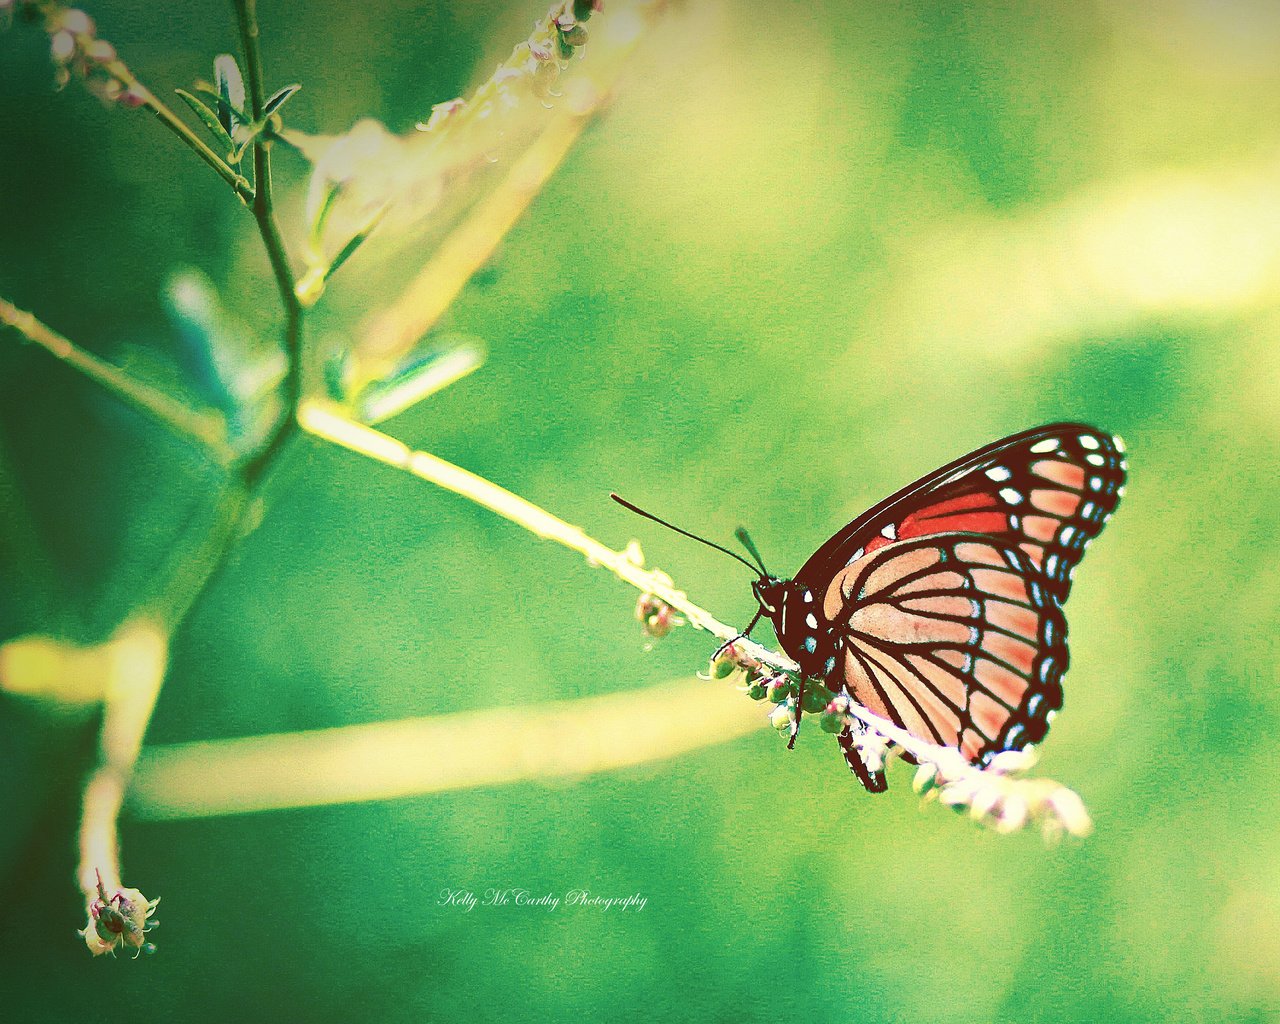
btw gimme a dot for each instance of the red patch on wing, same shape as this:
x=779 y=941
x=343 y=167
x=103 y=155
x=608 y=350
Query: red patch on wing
x=969 y=513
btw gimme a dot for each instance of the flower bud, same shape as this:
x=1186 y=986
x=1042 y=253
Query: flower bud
x=100 y=52
x=575 y=36
x=757 y=690
x=873 y=755
x=984 y=801
x=926 y=778
x=62 y=47
x=1068 y=809
x=780 y=688
x=956 y=799
x=833 y=719
x=1013 y=814
x=816 y=697
x=723 y=665
x=656 y=617
x=1012 y=762
x=782 y=718
x=78 y=22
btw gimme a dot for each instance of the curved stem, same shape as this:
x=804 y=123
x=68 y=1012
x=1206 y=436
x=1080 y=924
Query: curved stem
x=264 y=213
x=205 y=428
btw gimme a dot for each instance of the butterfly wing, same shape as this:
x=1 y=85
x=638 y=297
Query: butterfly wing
x=947 y=596
x=1049 y=491
x=955 y=638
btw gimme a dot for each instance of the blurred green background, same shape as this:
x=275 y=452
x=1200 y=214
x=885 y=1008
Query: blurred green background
x=808 y=254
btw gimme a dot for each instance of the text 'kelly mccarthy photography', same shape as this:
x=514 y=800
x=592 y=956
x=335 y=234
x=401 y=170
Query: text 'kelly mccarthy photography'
x=468 y=899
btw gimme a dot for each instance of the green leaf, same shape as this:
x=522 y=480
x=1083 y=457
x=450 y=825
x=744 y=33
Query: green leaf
x=230 y=85
x=315 y=235
x=279 y=98
x=417 y=377
x=212 y=122
x=205 y=89
x=357 y=240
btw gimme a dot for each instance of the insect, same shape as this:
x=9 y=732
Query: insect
x=940 y=608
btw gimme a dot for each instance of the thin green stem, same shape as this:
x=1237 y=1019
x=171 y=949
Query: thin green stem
x=203 y=427
x=264 y=213
x=192 y=570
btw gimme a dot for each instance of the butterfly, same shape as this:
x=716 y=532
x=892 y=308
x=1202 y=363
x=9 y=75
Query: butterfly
x=940 y=609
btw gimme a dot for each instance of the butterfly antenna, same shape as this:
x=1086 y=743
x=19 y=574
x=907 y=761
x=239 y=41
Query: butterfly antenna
x=745 y=540
x=692 y=536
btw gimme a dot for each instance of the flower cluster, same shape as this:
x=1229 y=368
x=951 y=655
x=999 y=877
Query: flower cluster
x=538 y=61
x=999 y=798
x=995 y=795
x=656 y=617
x=77 y=51
x=120 y=919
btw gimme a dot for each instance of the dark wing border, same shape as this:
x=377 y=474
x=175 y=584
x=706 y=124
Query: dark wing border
x=837 y=552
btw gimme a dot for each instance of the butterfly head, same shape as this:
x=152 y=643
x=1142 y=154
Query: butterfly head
x=770 y=593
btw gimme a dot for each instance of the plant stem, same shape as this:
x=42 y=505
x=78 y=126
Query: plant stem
x=328 y=422
x=488 y=747
x=205 y=428
x=264 y=213
x=137 y=667
x=117 y=69
x=131 y=695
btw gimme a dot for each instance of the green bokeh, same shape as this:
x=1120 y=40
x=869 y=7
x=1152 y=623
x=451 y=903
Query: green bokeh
x=806 y=256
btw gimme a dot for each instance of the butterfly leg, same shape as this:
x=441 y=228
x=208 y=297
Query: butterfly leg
x=872 y=782
x=795 y=725
x=741 y=636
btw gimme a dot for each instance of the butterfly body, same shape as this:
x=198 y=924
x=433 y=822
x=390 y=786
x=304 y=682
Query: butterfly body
x=803 y=630
x=940 y=608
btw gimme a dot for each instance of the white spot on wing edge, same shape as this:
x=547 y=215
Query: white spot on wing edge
x=1118 y=441
x=1049 y=444
x=1012 y=496
x=1088 y=441
x=999 y=473
x=890 y=530
x=1094 y=459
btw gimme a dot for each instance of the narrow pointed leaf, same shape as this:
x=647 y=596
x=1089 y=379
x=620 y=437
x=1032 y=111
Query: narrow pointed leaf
x=211 y=121
x=356 y=241
x=246 y=135
x=207 y=91
x=230 y=90
x=417 y=378
x=279 y=98
x=315 y=235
